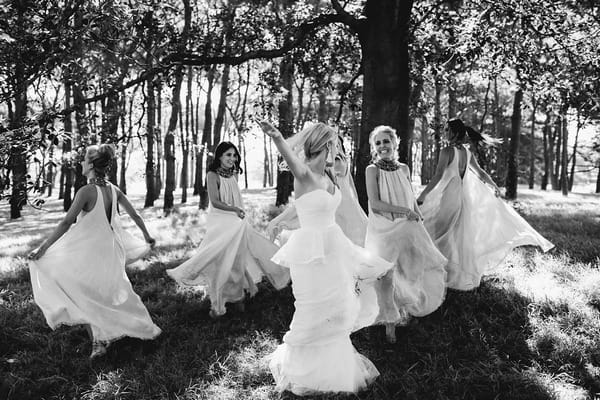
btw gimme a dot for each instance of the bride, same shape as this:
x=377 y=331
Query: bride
x=317 y=354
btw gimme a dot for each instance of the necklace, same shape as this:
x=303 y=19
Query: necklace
x=100 y=181
x=387 y=165
x=226 y=172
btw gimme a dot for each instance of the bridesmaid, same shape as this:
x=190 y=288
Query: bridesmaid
x=78 y=274
x=396 y=233
x=464 y=215
x=232 y=258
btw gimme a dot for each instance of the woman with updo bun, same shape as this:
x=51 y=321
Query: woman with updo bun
x=465 y=216
x=78 y=273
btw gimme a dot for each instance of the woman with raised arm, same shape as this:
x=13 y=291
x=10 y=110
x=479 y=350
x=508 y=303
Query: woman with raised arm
x=465 y=216
x=232 y=257
x=349 y=215
x=317 y=354
x=78 y=274
x=396 y=233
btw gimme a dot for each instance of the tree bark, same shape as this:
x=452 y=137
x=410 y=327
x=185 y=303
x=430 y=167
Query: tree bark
x=206 y=136
x=564 y=180
x=532 y=147
x=169 y=147
x=384 y=39
x=574 y=157
x=547 y=152
x=150 y=126
x=557 y=136
x=220 y=117
x=66 y=165
x=425 y=174
x=512 y=176
x=285 y=179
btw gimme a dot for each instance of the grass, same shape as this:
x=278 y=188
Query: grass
x=530 y=331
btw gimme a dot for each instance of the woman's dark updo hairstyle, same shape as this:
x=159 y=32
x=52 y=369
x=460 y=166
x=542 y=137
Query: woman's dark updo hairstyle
x=219 y=151
x=101 y=157
x=459 y=132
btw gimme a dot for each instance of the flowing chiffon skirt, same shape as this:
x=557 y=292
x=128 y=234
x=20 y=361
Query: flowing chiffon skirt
x=81 y=279
x=473 y=228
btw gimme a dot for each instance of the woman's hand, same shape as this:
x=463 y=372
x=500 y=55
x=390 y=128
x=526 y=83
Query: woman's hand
x=240 y=213
x=269 y=129
x=37 y=253
x=151 y=241
x=413 y=216
x=420 y=200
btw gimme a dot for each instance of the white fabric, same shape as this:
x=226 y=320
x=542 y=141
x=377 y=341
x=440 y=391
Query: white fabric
x=232 y=256
x=472 y=227
x=317 y=355
x=81 y=279
x=407 y=244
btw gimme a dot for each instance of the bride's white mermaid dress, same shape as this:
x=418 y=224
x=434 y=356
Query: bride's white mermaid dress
x=81 y=279
x=232 y=257
x=472 y=227
x=317 y=354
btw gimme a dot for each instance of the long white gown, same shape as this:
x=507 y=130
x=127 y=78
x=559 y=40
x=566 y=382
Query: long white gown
x=81 y=279
x=408 y=245
x=317 y=354
x=472 y=227
x=232 y=257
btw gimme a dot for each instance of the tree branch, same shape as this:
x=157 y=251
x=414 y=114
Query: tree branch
x=346 y=17
x=345 y=92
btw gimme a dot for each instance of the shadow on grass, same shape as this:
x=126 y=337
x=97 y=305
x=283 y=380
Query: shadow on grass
x=474 y=347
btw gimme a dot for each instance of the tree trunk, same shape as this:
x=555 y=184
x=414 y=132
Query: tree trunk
x=110 y=124
x=437 y=124
x=185 y=140
x=532 y=147
x=557 y=158
x=323 y=111
x=150 y=126
x=572 y=175
x=206 y=137
x=66 y=168
x=564 y=180
x=547 y=153
x=425 y=174
x=285 y=179
x=169 y=147
x=598 y=179
x=158 y=141
x=384 y=38
x=512 y=176
x=220 y=117
x=83 y=137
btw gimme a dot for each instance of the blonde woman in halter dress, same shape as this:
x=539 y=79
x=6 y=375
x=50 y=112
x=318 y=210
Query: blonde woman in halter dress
x=317 y=354
x=232 y=257
x=395 y=232
x=465 y=215
x=78 y=274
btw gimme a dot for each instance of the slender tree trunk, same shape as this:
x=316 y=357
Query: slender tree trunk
x=547 y=153
x=169 y=147
x=150 y=126
x=185 y=140
x=220 y=117
x=437 y=122
x=532 y=147
x=83 y=136
x=285 y=179
x=598 y=179
x=206 y=135
x=574 y=157
x=158 y=141
x=66 y=165
x=512 y=176
x=557 y=155
x=323 y=112
x=564 y=180
x=425 y=174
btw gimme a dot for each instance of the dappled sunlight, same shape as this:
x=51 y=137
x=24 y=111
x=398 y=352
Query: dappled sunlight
x=560 y=388
x=112 y=384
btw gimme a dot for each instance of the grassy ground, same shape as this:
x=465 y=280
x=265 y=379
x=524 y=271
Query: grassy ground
x=531 y=331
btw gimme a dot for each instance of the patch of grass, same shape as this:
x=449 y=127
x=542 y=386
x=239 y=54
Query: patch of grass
x=530 y=331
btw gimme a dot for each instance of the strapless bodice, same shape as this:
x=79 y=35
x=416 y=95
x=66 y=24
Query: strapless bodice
x=316 y=209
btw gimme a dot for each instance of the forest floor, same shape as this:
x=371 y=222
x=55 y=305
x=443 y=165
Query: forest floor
x=530 y=331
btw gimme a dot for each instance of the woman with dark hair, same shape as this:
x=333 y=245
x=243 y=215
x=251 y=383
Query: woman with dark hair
x=464 y=215
x=78 y=273
x=232 y=257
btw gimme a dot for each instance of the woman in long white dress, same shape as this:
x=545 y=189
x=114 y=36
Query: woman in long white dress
x=78 y=274
x=464 y=215
x=317 y=354
x=395 y=232
x=349 y=214
x=232 y=257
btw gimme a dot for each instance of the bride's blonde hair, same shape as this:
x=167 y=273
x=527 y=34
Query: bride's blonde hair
x=312 y=140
